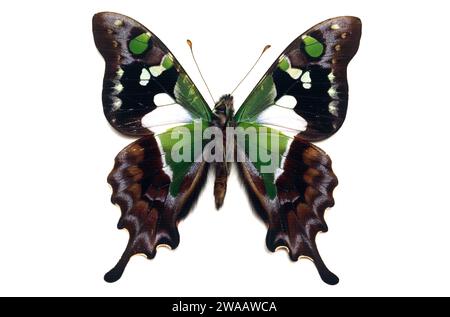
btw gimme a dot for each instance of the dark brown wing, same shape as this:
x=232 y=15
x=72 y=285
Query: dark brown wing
x=304 y=188
x=141 y=187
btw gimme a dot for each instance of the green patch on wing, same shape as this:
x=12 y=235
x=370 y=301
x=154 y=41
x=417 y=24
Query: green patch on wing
x=284 y=64
x=140 y=43
x=167 y=62
x=180 y=152
x=312 y=46
x=260 y=98
x=265 y=151
x=187 y=95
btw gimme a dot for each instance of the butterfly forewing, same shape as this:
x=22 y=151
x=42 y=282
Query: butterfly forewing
x=305 y=90
x=143 y=76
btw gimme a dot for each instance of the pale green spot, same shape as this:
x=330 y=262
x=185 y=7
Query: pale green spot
x=167 y=61
x=295 y=73
x=335 y=27
x=333 y=108
x=313 y=47
x=118 y=88
x=117 y=103
x=331 y=77
x=119 y=72
x=332 y=92
x=156 y=70
x=139 y=44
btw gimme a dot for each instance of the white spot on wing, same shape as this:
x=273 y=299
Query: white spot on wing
x=332 y=92
x=283 y=119
x=119 y=72
x=116 y=104
x=118 y=88
x=145 y=77
x=287 y=101
x=332 y=108
x=163 y=118
x=163 y=99
x=306 y=78
x=331 y=77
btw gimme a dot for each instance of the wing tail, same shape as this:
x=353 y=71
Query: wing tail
x=142 y=188
x=304 y=187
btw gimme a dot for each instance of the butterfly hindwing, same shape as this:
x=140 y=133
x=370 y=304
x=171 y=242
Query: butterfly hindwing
x=292 y=199
x=154 y=192
x=305 y=91
x=144 y=88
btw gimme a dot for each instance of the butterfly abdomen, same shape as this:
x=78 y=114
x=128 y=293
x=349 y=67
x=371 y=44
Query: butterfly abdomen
x=224 y=112
x=220 y=183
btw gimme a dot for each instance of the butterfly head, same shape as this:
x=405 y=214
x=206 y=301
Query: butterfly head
x=224 y=108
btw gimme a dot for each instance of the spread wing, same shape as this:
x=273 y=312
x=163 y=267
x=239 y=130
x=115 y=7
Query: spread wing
x=144 y=86
x=305 y=91
x=302 y=98
x=291 y=192
x=147 y=93
x=155 y=190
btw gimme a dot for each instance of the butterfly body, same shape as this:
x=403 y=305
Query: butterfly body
x=155 y=180
x=223 y=111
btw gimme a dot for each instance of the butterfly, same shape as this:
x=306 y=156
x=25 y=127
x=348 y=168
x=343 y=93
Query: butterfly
x=302 y=98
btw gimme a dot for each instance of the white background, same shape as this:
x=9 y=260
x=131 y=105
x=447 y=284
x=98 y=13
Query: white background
x=389 y=230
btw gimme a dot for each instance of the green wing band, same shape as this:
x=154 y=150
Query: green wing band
x=261 y=97
x=189 y=97
x=266 y=152
x=180 y=150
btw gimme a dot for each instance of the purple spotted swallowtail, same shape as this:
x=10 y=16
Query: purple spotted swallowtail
x=302 y=98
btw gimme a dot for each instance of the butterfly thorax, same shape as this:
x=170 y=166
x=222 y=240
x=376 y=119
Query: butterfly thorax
x=224 y=111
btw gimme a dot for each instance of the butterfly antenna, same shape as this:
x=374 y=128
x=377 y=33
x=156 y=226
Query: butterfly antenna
x=189 y=42
x=263 y=51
